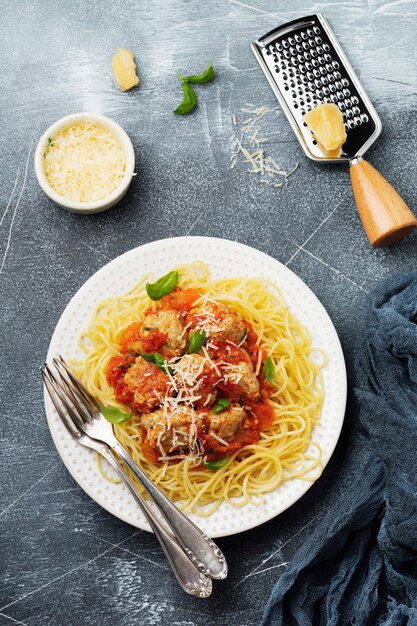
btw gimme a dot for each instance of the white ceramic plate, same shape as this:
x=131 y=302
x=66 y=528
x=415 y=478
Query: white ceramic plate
x=224 y=258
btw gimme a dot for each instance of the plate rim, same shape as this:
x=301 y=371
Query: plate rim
x=180 y=240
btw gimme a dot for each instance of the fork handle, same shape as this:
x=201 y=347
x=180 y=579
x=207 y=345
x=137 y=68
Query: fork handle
x=204 y=553
x=190 y=578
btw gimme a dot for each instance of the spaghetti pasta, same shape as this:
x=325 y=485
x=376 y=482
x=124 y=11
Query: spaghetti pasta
x=284 y=449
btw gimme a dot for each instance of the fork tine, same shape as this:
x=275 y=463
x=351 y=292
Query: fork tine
x=76 y=398
x=68 y=423
x=60 y=363
x=72 y=410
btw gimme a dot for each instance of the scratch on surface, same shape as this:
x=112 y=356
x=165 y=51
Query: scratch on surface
x=15 y=621
x=27 y=491
x=47 y=493
x=139 y=556
x=333 y=269
x=233 y=67
x=397 y=3
x=199 y=218
x=74 y=569
x=15 y=209
x=207 y=133
x=220 y=111
x=391 y=80
x=314 y=232
x=11 y=197
x=251 y=573
x=248 y=6
x=228 y=50
x=97 y=252
x=267 y=569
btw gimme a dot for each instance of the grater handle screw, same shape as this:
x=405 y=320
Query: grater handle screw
x=385 y=216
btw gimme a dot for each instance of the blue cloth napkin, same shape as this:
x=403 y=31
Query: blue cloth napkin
x=359 y=566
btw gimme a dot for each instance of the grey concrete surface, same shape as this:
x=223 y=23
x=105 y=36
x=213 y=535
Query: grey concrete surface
x=63 y=560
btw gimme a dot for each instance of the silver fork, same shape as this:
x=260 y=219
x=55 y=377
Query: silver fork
x=204 y=553
x=190 y=578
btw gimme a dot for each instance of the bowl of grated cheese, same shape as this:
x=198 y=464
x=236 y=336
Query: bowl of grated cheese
x=85 y=162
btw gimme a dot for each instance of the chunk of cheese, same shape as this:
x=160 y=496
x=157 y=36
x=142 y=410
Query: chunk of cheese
x=85 y=162
x=326 y=123
x=124 y=69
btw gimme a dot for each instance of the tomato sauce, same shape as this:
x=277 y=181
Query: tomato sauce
x=230 y=353
x=181 y=300
x=116 y=371
x=263 y=415
x=130 y=339
x=153 y=340
x=251 y=344
x=266 y=389
x=151 y=453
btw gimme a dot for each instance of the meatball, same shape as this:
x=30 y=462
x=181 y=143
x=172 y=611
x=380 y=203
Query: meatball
x=175 y=431
x=147 y=383
x=163 y=332
x=238 y=378
x=218 y=322
x=243 y=378
x=196 y=378
x=226 y=424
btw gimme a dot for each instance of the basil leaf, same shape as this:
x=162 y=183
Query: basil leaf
x=205 y=77
x=221 y=405
x=162 y=364
x=159 y=360
x=113 y=415
x=163 y=286
x=189 y=101
x=198 y=339
x=215 y=465
x=269 y=370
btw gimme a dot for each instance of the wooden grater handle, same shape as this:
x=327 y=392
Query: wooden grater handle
x=385 y=216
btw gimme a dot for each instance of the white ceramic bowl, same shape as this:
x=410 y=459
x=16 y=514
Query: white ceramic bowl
x=95 y=206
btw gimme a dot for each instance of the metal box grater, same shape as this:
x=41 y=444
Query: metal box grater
x=305 y=67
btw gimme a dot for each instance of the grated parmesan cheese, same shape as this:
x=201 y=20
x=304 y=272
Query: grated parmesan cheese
x=85 y=162
x=219 y=439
